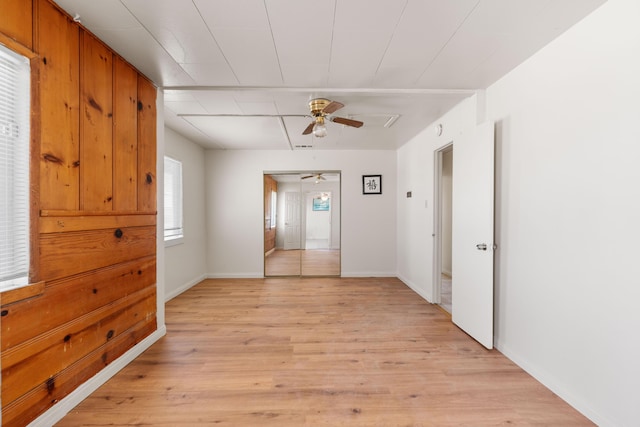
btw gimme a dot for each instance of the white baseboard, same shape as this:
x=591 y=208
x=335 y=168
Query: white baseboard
x=552 y=384
x=62 y=408
x=184 y=287
x=416 y=289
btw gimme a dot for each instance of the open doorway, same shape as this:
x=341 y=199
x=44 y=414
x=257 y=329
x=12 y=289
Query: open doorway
x=443 y=227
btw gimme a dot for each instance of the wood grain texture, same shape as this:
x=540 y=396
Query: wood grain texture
x=125 y=136
x=57 y=224
x=26 y=366
x=15 y=21
x=73 y=297
x=24 y=410
x=66 y=254
x=317 y=352
x=147 y=179
x=96 y=125
x=59 y=68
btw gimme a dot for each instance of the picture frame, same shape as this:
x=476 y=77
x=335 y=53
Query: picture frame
x=371 y=184
x=321 y=205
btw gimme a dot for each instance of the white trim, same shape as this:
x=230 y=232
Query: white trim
x=184 y=287
x=62 y=408
x=415 y=289
x=550 y=382
x=173 y=241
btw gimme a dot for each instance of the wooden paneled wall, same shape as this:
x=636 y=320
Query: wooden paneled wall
x=93 y=269
x=270 y=185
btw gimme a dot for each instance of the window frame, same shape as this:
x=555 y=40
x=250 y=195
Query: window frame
x=169 y=183
x=18 y=286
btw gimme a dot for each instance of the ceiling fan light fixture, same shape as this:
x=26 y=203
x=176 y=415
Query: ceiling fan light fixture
x=319 y=129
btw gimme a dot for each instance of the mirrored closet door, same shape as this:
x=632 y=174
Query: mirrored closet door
x=302 y=224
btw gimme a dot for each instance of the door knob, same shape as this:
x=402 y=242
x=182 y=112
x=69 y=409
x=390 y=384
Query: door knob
x=481 y=246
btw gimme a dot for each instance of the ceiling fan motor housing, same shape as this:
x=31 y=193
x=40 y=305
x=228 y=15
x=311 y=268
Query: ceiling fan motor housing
x=317 y=105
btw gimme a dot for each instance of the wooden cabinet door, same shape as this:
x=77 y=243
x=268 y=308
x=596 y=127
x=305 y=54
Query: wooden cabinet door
x=125 y=137
x=146 y=146
x=57 y=44
x=96 y=142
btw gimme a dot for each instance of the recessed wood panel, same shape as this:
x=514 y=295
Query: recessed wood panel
x=16 y=22
x=96 y=143
x=67 y=299
x=66 y=254
x=58 y=44
x=125 y=136
x=146 y=146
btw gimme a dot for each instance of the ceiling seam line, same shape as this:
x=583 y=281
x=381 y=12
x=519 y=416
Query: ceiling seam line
x=386 y=49
x=447 y=42
x=273 y=40
x=213 y=37
x=333 y=32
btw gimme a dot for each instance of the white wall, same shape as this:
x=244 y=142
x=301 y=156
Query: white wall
x=567 y=206
x=415 y=214
x=234 y=206
x=185 y=263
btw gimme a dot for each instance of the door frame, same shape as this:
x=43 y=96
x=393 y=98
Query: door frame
x=437 y=221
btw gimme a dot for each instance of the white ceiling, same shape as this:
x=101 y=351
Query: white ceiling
x=414 y=59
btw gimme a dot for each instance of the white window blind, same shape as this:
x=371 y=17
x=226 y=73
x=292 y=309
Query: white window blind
x=14 y=169
x=172 y=199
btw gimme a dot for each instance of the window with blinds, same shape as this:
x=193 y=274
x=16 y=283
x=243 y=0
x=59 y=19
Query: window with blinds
x=14 y=169
x=172 y=199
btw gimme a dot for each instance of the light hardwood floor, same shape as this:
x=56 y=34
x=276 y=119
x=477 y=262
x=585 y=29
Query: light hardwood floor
x=317 y=352
x=307 y=262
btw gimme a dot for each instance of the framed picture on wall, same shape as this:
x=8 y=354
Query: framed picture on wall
x=320 y=204
x=371 y=184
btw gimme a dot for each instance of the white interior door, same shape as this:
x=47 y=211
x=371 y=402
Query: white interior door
x=472 y=233
x=292 y=220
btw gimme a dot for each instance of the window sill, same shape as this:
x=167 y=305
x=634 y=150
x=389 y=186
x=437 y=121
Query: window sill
x=24 y=292
x=173 y=242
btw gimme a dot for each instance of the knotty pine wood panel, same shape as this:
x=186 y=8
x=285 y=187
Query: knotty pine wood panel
x=96 y=126
x=270 y=185
x=16 y=21
x=146 y=146
x=57 y=224
x=57 y=42
x=66 y=254
x=70 y=298
x=33 y=403
x=125 y=136
x=26 y=366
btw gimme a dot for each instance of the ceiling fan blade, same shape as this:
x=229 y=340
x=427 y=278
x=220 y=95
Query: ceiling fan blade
x=307 y=177
x=321 y=178
x=332 y=107
x=347 y=122
x=309 y=128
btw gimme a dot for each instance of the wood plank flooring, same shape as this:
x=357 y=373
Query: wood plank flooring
x=317 y=352
x=307 y=262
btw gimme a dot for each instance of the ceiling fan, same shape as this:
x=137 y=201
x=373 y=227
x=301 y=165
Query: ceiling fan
x=322 y=109
x=318 y=177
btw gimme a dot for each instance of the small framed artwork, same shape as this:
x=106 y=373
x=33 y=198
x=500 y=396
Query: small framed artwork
x=320 y=205
x=371 y=184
